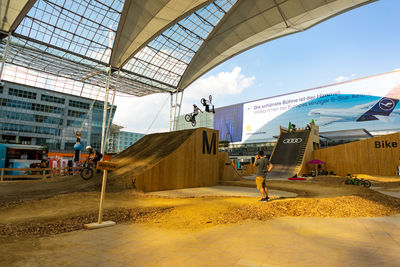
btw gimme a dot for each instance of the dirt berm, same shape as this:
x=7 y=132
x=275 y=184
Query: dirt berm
x=143 y=155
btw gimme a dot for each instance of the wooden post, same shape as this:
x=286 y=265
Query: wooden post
x=105 y=166
x=2 y=174
x=44 y=173
x=103 y=190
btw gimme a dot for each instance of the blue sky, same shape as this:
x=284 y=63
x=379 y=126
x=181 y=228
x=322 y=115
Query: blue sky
x=358 y=43
x=362 y=42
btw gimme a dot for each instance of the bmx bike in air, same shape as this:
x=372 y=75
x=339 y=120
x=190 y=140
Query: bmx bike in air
x=189 y=118
x=203 y=101
x=207 y=104
x=352 y=179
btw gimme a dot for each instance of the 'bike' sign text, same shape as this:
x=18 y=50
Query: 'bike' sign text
x=385 y=144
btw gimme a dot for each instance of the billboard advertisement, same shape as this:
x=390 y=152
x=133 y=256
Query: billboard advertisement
x=369 y=103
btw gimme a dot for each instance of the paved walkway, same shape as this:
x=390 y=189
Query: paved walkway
x=275 y=178
x=278 y=242
x=221 y=191
x=393 y=192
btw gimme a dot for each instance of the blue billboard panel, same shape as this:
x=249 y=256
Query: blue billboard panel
x=370 y=103
x=229 y=121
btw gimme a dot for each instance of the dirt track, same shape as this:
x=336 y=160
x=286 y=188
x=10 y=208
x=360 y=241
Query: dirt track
x=323 y=197
x=17 y=191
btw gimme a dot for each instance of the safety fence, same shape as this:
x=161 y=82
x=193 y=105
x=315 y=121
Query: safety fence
x=12 y=174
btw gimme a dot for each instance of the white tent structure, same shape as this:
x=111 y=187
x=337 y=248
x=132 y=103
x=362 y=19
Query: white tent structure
x=142 y=47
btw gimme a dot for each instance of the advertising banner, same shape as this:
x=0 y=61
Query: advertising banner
x=369 y=103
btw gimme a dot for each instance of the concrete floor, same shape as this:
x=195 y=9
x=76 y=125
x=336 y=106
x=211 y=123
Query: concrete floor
x=278 y=242
x=393 y=192
x=221 y=191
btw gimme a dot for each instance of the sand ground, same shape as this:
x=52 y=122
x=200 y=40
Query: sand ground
x=31 y=222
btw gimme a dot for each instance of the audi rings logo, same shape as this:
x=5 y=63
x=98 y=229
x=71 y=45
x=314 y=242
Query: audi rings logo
x=292 y=141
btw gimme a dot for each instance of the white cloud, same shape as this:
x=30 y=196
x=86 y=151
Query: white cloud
x=221 y=85
x=345 y=78
x=224 y=83
x=137 y=113
x=340 y=79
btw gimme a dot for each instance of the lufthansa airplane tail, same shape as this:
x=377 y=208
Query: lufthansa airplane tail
x=383 y=107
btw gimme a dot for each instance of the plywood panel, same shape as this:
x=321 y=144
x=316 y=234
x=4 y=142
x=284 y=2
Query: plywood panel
x=308 y=153
x=374 y=156
x=185 y=167
x=226 y=171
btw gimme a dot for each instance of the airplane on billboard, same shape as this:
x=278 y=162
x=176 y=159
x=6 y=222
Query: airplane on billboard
x=377 y=110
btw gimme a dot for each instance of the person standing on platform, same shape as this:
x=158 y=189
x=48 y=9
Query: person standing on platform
x=263 y=167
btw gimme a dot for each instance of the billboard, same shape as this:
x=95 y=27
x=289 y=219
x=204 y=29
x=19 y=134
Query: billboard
x=369 y=103
x=229 y=122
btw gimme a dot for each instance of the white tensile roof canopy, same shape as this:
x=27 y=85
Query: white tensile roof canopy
x=157 y=45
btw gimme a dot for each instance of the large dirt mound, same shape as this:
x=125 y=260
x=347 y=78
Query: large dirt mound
x=146 y=153
x=73 y=223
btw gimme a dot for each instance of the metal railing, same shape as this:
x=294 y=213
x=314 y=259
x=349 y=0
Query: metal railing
x=36 y=173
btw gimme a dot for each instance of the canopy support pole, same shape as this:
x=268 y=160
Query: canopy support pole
x=5 y=53
x=100 y=222
x=179 y=111
x=176 y=102
x=103 y=130
x=175 y=106
x=171 y=120
x=111 y=109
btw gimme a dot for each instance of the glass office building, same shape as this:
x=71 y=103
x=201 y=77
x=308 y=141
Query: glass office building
x=31 y=115
x=121 y=140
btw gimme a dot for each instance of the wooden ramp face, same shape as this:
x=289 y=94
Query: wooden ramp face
x=288 y=154
x=226 y=170
x=373 y=156
x=169 y=160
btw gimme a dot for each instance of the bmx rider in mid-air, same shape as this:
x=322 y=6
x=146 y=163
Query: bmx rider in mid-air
x=195 y=112
x=97 y=156
x=207 y=104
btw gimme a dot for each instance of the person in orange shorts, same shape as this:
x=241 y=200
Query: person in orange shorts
x=263 y=167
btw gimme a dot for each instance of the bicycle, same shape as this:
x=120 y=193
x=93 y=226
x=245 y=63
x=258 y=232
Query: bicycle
x=203 y=101
x=189 y=118
x=87 y=170
x=352 y=179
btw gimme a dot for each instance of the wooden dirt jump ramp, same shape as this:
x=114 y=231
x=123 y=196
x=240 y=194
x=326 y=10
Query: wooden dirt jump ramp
x=172 y=160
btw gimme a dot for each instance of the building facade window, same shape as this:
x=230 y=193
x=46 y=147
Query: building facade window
x=76 y=114
x=52 y=99
x=7 y=114
x=30 y=106
x=21 y=118
x=78 y=104
x=21 y=93
x=29 y=129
